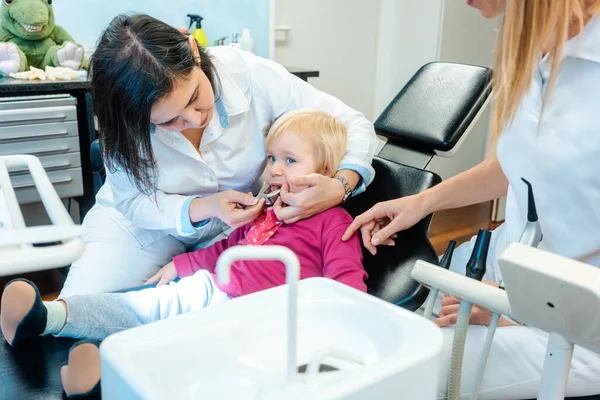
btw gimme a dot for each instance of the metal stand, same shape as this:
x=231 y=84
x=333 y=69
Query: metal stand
x=556 y=368
x=543 y=290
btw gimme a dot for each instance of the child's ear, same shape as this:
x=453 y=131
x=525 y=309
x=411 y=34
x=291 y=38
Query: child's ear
x=324 y=169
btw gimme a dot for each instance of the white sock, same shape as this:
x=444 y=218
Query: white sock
x=57 y=317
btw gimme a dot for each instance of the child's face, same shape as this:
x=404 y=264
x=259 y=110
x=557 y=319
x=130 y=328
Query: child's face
x=287 y=157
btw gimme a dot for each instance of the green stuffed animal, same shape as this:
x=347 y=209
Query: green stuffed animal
x=29 y=37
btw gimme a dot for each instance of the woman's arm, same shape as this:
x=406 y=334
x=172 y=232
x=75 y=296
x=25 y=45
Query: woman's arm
x=186 y=214
x=483 y=182
x=158 y=211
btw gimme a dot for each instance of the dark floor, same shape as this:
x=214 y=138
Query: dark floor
x=459 y=224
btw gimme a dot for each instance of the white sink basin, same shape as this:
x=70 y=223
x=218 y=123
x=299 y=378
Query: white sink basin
x=237 y=350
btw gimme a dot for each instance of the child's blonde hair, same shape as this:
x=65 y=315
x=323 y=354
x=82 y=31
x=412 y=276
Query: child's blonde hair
x=327 y=134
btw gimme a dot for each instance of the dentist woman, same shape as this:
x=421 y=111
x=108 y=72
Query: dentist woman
x=182 y=131
x=546 y=129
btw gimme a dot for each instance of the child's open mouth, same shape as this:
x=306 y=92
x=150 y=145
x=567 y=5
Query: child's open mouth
x=270 y=192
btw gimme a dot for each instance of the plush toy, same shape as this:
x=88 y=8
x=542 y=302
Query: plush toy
x=29 y=37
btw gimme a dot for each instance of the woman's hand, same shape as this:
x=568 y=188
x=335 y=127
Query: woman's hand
x=165 y=275
x=379 y=224
x=233 y=208
x=320 y=193
x=449 y=312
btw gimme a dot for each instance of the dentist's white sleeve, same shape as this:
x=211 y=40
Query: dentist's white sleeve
x=158 y=211
x=286 y=92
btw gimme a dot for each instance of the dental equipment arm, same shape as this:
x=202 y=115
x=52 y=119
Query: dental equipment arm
x=433 y=292
x=475 y=270
x=542 y=288
x=560 y=296
x=531 y=236
x=485 y=296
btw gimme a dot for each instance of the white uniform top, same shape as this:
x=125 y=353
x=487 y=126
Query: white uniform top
x=255 y=92
x=559 y=155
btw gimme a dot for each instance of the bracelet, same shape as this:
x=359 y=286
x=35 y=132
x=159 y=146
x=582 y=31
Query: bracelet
x=347 y=188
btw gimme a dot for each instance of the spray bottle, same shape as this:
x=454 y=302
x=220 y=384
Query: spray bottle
x=198 y=34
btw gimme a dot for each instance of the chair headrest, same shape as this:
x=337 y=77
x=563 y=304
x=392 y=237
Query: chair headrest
x=436 y=107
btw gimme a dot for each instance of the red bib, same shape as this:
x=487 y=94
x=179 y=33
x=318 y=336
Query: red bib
x=263 y=228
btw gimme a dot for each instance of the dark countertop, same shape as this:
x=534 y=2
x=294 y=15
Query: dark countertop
x=17 y=86
x=303 y=73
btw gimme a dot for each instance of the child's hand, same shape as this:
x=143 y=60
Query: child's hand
x=165 y=275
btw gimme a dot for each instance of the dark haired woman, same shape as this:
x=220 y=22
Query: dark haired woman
x=182 y=130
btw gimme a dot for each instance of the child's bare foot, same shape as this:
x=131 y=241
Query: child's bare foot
x=23 y=314
x=81 y=375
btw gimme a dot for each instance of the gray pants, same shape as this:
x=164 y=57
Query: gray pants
x=97 y=316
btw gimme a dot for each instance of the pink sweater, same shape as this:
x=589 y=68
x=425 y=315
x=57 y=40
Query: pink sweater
x=317 y=241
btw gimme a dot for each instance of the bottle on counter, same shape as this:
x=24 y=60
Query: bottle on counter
x=198 y=34
x=246 y=41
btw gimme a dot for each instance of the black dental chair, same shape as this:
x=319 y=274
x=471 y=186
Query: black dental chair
x=415 y=131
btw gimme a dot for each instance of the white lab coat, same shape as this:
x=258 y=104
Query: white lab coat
x=560 y=156
x=254 y=92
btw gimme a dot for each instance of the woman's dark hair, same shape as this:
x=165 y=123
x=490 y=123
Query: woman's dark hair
x=137 y=61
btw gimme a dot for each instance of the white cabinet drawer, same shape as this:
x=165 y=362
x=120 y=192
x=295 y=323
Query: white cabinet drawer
x=38 y=115
x=36 y=101
x=41 y=147
x=67 y=183
x=54 y=162
x=38 y=131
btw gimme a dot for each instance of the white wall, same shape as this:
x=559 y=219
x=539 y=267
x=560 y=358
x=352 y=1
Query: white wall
x=368 y=50
x=337 y=37
x=408 y=38
x=86 y=19
x=466 y=38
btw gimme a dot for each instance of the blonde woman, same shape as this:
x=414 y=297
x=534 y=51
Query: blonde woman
x=546 y=129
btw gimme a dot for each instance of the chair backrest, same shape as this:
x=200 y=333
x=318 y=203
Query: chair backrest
x=389 y=271
x=97 y=165
x=435 y=109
